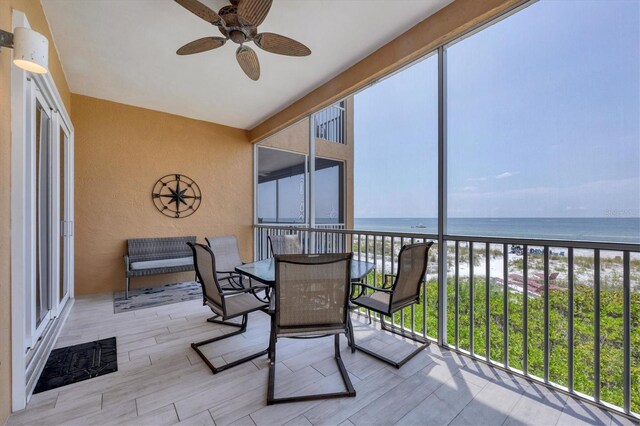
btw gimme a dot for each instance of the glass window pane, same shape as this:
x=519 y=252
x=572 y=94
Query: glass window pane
x=281 y=186
x=329 y=194
x=63 y=284
x=43 y=216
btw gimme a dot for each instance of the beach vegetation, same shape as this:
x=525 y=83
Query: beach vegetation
x=611 y=329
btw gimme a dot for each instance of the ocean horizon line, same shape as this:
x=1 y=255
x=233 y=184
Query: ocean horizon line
x=499 y=217
x=605 y=229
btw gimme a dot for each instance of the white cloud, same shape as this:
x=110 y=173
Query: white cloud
x=506 y=175
x=500 y=176
x=590 y=199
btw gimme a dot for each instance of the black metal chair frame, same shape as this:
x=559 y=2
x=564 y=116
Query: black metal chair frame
x=389 y=289
x=242 y=327
x=350 y=392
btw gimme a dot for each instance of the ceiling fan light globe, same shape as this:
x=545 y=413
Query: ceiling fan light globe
x=237 y=36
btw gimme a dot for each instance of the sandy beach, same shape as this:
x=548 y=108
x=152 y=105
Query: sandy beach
x=611 y=269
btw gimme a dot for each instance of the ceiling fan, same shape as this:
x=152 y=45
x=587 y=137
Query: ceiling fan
x=238 y=22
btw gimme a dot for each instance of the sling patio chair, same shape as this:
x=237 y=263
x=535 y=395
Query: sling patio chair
x=227 y=303
x=391 y=298
x=225 y=249
x=285 y=244
x=311 y=300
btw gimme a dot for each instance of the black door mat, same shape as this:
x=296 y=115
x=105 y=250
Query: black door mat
x=77 y=363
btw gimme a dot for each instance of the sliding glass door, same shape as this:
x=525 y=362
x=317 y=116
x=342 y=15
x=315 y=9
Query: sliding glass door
x=43 y=175
x=51 y=228
x=64 y=206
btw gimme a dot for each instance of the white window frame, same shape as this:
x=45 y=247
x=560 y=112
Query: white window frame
x=63 y=227
x=34 y=331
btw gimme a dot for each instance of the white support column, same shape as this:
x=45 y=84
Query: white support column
x=311 y=205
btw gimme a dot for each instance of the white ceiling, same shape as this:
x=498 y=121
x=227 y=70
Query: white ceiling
x=124 y=51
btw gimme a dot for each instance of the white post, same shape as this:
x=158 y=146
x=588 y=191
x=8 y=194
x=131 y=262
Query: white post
x=312 y=178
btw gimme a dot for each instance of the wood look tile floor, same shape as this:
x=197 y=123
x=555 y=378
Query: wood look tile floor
x=161 y=381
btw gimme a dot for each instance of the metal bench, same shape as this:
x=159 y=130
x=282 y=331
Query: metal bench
x=154 y=256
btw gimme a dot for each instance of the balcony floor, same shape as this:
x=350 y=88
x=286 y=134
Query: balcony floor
x=161 y=381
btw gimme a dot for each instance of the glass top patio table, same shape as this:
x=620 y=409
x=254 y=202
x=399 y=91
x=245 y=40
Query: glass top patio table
x=264 y=271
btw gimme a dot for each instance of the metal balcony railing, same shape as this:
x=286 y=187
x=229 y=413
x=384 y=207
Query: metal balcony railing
x=562 y=313
x=330 y=123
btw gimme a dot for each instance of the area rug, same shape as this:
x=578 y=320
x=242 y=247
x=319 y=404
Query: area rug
x=77 y=363
x=142 y=298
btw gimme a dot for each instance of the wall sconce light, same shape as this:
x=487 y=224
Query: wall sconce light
x=30 y=49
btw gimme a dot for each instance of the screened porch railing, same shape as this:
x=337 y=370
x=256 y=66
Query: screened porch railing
x=562 y=313
x=330 y=123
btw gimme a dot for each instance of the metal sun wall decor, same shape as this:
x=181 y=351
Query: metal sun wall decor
x=176 y=196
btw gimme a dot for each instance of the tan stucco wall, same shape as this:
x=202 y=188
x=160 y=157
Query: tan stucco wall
x=444 y=25
x=294 y=138
x=121 y=151
x=38 y=22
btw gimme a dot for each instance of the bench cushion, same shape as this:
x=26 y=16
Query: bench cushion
x=161 y=263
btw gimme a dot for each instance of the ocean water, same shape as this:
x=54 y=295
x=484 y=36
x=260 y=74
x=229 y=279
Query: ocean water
x=620 y=230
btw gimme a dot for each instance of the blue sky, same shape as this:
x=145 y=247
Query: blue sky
x=543 y=120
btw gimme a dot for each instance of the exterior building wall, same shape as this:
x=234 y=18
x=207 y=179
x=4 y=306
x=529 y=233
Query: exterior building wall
x=294 y=138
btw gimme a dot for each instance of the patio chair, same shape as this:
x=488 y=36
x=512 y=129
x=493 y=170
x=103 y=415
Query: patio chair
x=227 y=254
x=311 y=300
x=227 y=303
x=284 y=244
x=391 y=298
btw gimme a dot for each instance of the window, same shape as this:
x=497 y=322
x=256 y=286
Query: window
x=281 y=186
x=43 y=142
x=329 y=196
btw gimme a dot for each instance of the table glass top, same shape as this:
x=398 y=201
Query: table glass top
x=265 y=271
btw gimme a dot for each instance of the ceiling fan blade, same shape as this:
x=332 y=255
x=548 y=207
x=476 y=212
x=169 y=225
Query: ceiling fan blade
x=199 y=9
x=254 y=11
x=275 y=43
x=248 y=61
x=201 y=45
